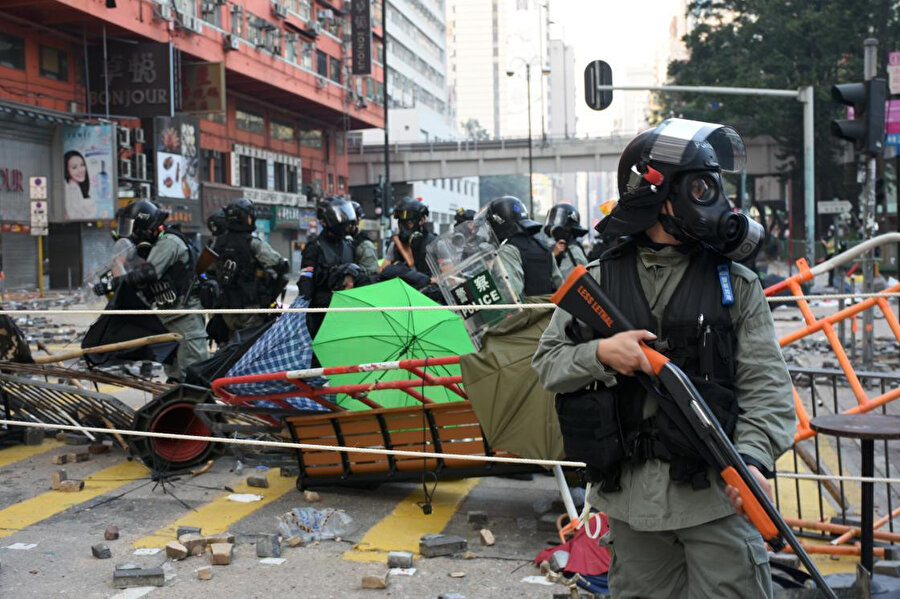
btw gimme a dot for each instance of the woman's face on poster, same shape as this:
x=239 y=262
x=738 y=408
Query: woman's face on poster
x=76 y=169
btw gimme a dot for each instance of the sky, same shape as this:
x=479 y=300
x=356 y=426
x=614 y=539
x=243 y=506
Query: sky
x=627 y=35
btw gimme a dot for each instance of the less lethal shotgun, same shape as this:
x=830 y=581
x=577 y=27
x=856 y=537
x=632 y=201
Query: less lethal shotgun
x=582 y=297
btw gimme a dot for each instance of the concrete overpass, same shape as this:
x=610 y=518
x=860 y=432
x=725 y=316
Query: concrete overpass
x=469 y=158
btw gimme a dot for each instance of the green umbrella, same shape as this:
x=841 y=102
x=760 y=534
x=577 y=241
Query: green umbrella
x=361 y=337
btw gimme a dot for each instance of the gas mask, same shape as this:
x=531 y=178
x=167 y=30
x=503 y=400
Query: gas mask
x=682 y=161
x=702 y=211
x=409 y=231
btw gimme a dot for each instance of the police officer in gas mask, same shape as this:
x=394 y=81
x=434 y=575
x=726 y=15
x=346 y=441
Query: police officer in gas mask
x=166 y=278
x=328 y=261
x=529 y=264
x=678 y=529
x=563 y=230
x=406 y=256
x=364 y=249
x=249 y=272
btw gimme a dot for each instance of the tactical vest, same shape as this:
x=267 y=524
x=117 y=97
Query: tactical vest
x=537 y=264
x=604 y=426
x=332 y=252
x=418 y=252
x=172 y=286
x=236 y=270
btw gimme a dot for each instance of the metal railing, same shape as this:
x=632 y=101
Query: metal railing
x=826 y=391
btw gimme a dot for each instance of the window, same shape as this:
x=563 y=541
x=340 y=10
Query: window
x=311 y=138
x=321 y=63
x=250 y=121
x=335 y=70
x=279 y=176
x=330 y=183
x=339 y=144
x=54 y=64
x=212 y=164
x=303 y=9
x=280 y=130
x=237 y=20
x=211 y=12
x=246 y=171
x=306 y=55
x=216 y=117
x=12 y=51
x=291 y=172
x=342 y=183
x=260 y=173
x=290 y=47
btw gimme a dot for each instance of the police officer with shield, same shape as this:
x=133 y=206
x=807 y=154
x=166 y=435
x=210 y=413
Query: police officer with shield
x=166 y=279
x=676 y=529
x=529 y=265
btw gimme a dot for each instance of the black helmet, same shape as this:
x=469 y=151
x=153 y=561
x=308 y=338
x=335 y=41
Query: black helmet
x=239 y=216
x=216 y=222
x=336 y=216
x=507 y=216
x=564 y=222
x=141 y=220
x=463 y=215
x=410 y=208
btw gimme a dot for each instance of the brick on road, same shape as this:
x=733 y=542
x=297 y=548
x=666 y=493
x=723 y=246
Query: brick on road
x=176 y=550
x=268 y=545
x=141 y=577
x=435 y=545
x=221 y=553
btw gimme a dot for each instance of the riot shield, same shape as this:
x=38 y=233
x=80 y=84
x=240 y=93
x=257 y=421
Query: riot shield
x=469 y=272
x=123 y=259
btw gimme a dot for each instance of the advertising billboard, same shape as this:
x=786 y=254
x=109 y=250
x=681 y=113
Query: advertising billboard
x=177 y=147
x=89 y=171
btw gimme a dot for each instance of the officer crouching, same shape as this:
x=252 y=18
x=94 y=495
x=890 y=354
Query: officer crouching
x=676 y=529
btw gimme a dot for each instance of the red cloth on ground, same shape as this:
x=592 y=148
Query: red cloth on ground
x=585 y=555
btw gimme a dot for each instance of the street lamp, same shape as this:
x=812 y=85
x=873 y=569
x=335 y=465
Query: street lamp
x=509 y=73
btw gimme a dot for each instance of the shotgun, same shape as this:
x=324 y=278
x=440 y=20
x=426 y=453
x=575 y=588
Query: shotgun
x=582 y=297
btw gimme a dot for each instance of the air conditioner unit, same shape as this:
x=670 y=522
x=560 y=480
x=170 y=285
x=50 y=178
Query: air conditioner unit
x=124 y=168
x=259 y=41
x=162 y=12
x=326 y=13
x=192 y=24
x=321 y=81
x=316 y=27
x=280 y=10
x=145 y=191
x=123 y=134
x=140 y=166
x=231 y=42
x=137 y=134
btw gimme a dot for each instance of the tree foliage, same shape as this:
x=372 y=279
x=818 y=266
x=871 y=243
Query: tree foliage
x=783 y=44
x=474 y=130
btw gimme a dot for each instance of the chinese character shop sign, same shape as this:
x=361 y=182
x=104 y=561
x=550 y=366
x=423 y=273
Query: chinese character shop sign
x=361 y=37
x=137 y=76
x=203 y=87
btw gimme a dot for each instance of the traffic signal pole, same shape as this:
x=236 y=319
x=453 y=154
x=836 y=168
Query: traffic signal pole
x=804 y=95
x=870 y=228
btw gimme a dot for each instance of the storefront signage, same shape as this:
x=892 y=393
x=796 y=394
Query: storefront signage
x=361 y=37
x=187 y=213
x=203 y=87
x=137 y=76
x=218 y=196
x=11 y=179
x=177 y=145
x=15 y=228
x=286 y=217
x=265 y=196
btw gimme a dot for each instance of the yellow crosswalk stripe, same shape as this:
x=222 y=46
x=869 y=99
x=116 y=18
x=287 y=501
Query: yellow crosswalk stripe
x=17 y=453
x=220 y=513
x=41 y=507
x=402 y=528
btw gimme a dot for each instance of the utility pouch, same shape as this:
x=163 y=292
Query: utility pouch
x=590 y=428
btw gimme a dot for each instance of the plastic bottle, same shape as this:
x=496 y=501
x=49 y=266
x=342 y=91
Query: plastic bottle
x=104 y=182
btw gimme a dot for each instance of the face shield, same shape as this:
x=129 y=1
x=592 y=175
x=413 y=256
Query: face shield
x=692 y=155
x=340 y=218
x=124 y=226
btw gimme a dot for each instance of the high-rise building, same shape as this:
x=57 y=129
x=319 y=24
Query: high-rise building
x=419 y=102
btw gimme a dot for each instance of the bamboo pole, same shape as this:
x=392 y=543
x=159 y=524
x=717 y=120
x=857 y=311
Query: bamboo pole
x=110 y=347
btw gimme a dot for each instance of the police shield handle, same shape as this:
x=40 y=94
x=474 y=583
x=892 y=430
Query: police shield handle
x=404 y=251
x=206 y=259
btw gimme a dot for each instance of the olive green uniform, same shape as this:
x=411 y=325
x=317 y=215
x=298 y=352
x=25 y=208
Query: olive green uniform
x=366 y=258
x=571 y=257
x=164 y=253
x=670 y=540
x=512 y=262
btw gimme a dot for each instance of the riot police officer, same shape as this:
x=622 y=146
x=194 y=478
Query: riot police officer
x=406 y=256
x=328 y=261
x=529 y=264
x=249 y=272
x=563 y=229
x=364 y=249
x=166 y=279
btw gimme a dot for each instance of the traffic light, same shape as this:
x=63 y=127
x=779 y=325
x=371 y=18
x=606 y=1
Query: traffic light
x=880 y=195
x=378 y=199
x=866 y=129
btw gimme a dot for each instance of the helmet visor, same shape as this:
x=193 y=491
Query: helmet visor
x=125 y=226
x=342 y=212
x=678 y=141
x=556 y=218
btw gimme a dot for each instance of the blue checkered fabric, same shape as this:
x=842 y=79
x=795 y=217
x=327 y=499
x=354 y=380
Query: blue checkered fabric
x=287 y=345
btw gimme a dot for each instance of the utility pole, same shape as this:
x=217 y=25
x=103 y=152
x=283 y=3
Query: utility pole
x=387 y=196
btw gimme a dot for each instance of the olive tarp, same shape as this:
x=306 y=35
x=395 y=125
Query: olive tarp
x=515 y=412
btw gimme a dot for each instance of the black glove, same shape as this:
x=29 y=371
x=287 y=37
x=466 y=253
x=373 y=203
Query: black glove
x=410 y=276
x=209 y=293
x=142 y=276
x=282 y=267
x=101 y=289
x=338 y=273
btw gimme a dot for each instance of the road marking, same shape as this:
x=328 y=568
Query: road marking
x=17 y=453
x=28 y=512
x=220 y=513
x=402 y=528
